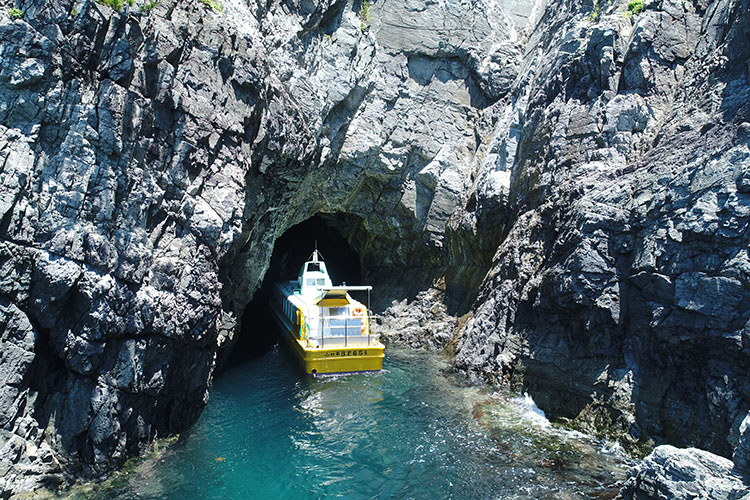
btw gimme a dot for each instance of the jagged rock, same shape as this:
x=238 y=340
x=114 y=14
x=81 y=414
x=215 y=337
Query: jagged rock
x=420 y=323
x=622 y=281
x=741 y=455
x=673 y=473
x=572 y=186
x=16 y=354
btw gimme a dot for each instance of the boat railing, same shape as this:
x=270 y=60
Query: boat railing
x=343 y=330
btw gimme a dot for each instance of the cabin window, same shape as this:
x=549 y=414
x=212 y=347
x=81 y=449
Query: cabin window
x=321 y=282
x=310 y=281
x=313 y=266
x=337 y=311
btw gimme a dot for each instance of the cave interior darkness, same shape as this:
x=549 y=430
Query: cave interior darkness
x=259 y=332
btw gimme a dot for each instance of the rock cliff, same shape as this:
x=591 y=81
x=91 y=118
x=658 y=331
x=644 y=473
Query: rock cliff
x=556 y=190
x=622 y=280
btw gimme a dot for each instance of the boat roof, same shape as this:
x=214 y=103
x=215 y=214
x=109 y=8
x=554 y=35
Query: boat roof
x=329 y=296
x=314 y=286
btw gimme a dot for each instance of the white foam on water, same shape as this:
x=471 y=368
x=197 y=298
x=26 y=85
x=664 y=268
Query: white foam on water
x=575 y=434
x=531 y=411
x=612 y=447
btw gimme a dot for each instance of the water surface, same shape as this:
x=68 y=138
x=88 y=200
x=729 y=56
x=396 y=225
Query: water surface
x=270 y=432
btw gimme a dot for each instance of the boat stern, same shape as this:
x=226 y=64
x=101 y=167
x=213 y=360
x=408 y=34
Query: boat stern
x=327 y=361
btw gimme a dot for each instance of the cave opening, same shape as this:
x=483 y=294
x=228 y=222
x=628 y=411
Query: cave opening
x=259 y=332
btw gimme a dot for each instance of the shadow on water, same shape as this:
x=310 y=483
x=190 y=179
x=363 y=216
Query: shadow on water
x=259 y=332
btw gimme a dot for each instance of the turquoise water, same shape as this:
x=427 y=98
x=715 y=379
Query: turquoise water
x=269 y=432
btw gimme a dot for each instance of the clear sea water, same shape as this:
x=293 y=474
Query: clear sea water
x=409 y=432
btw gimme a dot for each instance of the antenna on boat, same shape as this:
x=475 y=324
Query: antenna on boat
x=316 y=255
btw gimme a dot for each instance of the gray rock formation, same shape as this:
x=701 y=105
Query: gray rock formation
x=562 y=198
x=683 y=474
x=150 y=158
x=622 y=279
x=741 y=457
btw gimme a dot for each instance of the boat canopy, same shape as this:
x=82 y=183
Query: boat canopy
x=333 y=298
x=336 y=296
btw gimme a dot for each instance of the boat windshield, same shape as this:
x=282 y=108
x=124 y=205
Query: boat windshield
x=313 y=266
x=337 y=311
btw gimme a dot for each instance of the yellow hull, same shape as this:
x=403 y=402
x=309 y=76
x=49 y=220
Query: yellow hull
x=328 y=359
x=321 y=361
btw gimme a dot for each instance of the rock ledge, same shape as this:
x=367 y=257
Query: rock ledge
x=674 y=473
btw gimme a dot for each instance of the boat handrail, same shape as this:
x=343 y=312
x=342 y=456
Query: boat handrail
x=355 y=288
x=350 y=316
x=372 y=335
x=341 y=316
x=327 y=332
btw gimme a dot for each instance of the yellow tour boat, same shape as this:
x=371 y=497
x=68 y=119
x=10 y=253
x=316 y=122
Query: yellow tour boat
x=327 y=330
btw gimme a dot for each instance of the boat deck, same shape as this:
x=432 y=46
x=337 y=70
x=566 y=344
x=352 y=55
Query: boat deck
x=326 y=330
x=326 y=342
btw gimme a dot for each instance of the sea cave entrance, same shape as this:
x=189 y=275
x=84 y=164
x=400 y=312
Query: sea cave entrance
x=259 y=332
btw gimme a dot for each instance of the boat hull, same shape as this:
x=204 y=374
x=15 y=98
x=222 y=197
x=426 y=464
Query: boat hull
x=331 y=360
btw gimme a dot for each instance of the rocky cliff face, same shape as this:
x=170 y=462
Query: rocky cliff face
x=596 y=166
x=622 y=281
x=152 y=157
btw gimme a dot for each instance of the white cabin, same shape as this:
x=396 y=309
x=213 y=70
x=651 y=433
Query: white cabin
x=313 y=276
x=321 y=314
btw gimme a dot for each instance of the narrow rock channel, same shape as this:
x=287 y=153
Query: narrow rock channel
x=554 y=193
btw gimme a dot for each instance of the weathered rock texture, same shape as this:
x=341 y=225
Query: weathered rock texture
x=683 y=474
x=622 y=280
x=741 y=456
x=597 y=167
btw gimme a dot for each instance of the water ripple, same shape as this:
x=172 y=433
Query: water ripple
x=407 y=432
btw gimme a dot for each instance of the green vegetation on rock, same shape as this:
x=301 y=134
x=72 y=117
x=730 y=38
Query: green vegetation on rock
x=594 y=15
x=635 y=7
x=364 y=12
x=597 y=420
x=146 y=7
x=109 y=486
x=15 y=13
x=213 y=4
x=113 y=4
